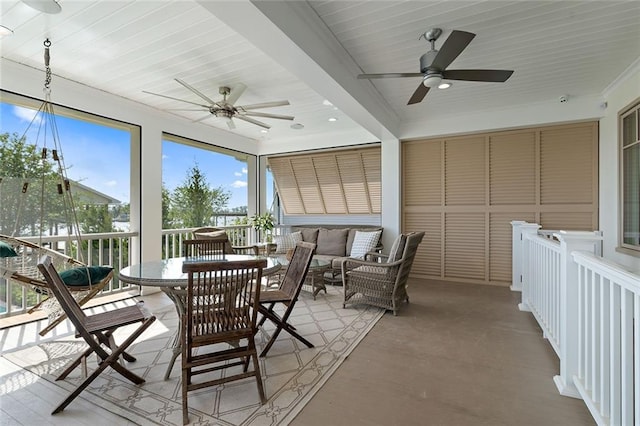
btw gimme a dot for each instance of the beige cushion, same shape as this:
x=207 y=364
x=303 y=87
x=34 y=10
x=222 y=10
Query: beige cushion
x=397 y=249
x=286 y=241
x=310 y=235
x=214 y=235
x=363 y=243
x=332 y=241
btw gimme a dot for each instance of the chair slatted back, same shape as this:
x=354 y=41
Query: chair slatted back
x=216 y=234
x=297 y=270
x=222 y=298
x=204 y=249
x=62 y=293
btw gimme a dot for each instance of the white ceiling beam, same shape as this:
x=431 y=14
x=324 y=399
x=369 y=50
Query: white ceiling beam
x=291 y=33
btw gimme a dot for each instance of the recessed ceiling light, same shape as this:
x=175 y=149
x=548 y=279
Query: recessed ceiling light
x=444 y=85
x=46 y=6
x=333 y=119
x=297 y=126
x=327 y=103
x=5 y=31
x=264 y=131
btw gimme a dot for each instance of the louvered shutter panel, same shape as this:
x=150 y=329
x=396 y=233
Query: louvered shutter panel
x=326 y=169
x=465 y=245
x=566 y=165
x=428 y=260
x=338 y=182
x=286 y=185
x=512 y=168
x=422 y=167
x=465 y=171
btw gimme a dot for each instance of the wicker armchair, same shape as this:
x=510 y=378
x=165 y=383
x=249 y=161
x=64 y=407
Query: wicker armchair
x=381 y=280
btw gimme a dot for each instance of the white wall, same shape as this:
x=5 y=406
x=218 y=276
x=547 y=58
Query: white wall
x=619 y=96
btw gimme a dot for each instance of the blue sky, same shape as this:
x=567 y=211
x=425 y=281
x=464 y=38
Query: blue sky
x=98 y=156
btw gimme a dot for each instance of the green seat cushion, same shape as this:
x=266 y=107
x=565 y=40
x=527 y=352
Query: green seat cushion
x=6 y=250
x=78 y=276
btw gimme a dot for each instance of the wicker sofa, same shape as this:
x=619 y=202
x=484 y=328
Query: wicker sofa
x=333 y=243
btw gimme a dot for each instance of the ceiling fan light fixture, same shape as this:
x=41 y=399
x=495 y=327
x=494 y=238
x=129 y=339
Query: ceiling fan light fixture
x=432 y=80
x=46 y=6
x=444 y=86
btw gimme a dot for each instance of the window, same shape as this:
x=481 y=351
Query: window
x=95 y=152
x=202 y=185
x=630 y=177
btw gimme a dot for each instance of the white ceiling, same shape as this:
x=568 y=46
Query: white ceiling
x=311 y=52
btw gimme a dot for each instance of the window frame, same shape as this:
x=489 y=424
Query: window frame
x=633 y=108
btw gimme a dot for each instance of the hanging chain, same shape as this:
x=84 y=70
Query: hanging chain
x=47 y=80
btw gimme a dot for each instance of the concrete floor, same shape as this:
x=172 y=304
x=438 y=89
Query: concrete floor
x=458 y=354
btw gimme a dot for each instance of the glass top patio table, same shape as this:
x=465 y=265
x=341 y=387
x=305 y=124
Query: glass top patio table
x=168 y=272
x=168 y=276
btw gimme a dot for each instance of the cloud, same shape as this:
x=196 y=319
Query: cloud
x=239 y=184
x=111 y=183
x=164 y=156
x=237 y=174
x=244 y=170
x=25 y=114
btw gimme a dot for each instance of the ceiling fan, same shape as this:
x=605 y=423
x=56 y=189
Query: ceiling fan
x=226 y=108
x=433 y=65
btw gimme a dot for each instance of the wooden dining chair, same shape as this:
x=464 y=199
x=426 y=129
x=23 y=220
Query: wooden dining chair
x=97 y=331
x=220 y=234
x=222 y=301
x=287 y=294
x=204 y=249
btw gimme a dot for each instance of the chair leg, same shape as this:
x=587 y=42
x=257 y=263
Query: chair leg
x=256 y=370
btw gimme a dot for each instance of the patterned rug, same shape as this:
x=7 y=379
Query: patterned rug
x=292 y=373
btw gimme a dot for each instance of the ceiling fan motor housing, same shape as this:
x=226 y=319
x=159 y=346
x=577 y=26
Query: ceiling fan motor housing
x=426 y=60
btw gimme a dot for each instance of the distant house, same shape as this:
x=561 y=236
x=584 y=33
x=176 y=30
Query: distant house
x=85 y=195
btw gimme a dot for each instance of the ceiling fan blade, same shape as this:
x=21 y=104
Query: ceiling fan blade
x=494 y=76
x=175 y=99
x=451 y=48
x=187 y=109
x=236 y=92
x=266 y=115
x=196 y=91
x=202 y=119
x=418 y=95
x=251 y=120
x=263 y=105
x=231 y=124
x=391 y=75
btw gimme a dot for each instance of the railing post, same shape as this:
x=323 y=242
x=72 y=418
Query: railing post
x=516 y=255
x=525 y=257
x=571 y=241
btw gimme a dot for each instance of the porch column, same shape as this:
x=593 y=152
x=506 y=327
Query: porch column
x=571 y=241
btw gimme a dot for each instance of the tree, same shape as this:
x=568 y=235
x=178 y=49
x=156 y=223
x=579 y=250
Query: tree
x=95 y=219
x=167 y=219
x=21 y=163
x=195 y=203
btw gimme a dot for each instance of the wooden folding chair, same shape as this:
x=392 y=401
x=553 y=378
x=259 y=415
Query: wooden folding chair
x=97 y=330
x=221 y=307
x=287 y=293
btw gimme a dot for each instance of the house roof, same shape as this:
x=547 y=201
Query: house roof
x=311 y=52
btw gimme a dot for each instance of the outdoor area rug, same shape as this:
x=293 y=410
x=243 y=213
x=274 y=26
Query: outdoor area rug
x=292 y=373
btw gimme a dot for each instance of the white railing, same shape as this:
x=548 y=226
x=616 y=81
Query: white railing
x=589 y=309
x=110 y=248
x=608 y=373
